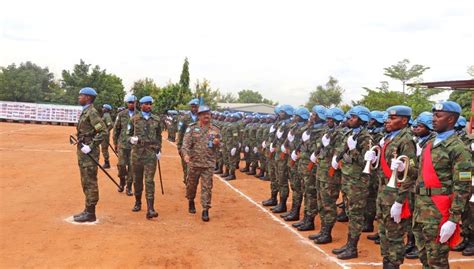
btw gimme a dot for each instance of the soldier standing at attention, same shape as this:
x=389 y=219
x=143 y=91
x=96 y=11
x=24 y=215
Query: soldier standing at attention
x=90 y=132
x=442 y=189
x=199 y=150
x=107 y=119
x=121 y=141
x=145 y=132
x=183 y=124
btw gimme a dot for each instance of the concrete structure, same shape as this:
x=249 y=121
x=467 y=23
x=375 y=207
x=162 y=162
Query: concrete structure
x=249 y=107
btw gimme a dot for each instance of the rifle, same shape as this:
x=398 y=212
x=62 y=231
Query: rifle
x=113 y=149
x=341 y=155
x=161 y=180
x=73 y=141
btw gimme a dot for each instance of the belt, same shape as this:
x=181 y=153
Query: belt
x=432 y=191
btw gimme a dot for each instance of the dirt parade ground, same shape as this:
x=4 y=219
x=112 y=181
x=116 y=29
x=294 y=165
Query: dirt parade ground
x=40 y=189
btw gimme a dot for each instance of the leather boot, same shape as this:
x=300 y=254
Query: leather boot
x=265 y=177
x=373 y=237
x=260 y=174
x=138 y=203
x=316 y=236
x=351 y=251
x=252 y=171
x=325 y=236
x=301 y=222
x=272 y=201
x=410 y=245
x=129 y=189
x=308 y=225
x=343 y=248
x=219 y=170
x=122 y=184
x=150 y=211
x=205 y=215
x=469 y=250
x=461 y=246
x=246 y=168
x=192 y=208
x=80 y=214
x=231 y=176
x=216 y=168
x=281 y=207
x=342 y=217
x=368 y=226
x=389 y=265
x=294 y=212
x=106 y=164
x=225 y=174
x=88 y=216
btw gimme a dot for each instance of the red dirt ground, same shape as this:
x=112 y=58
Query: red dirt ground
x=40 y=188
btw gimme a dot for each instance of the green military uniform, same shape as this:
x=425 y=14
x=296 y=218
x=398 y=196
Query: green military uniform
x=107 y=119
x=261 y=135
x=121 y=141
x=232 y=141
x=270 y=150
x=253 y=148
x=183 y=124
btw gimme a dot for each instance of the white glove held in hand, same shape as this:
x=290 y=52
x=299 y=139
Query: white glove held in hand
x=134 y=140
x=313 y=158
x=272 y=149
x=247 y=149
x=447 y=230
x=398 y=165
x=264 y=144
x=232 y=151
x=85 y=149
x=294 y=156
x=325 y=139
x=418 y=150
x=282 y=148
x=351 y=143
x=158 y=156
x=255 y=150
x=370 y=156
x=396 y=212
x=334 y=163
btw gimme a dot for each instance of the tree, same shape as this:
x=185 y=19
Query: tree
x=227 y=98
x=184 y=92
x=165 y=98
x=250 y=96
x=400 y=71
x=203 y=89
x=143 y=87
x=328 y=95
x=26 y=83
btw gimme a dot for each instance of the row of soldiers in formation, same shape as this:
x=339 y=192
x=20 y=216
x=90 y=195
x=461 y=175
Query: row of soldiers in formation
x=361 y=154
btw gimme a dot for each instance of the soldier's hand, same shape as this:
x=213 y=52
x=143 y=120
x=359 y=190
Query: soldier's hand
x=158 y=156
x=134 y=140
x=396 y=212
x=186 y=159
x=85 y=149
x=447 y=230
x=334 y=163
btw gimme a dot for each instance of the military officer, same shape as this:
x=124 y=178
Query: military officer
x=183 y=124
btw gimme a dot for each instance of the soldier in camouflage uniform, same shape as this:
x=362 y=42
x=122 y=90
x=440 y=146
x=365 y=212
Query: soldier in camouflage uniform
x=245 y=137
x=201 y=143
x=145 y=132
x=252 y=144
x=104 y=146
x=261 y=135
x=121 y=142
x=442 y=189
x=183 y=124
x=172 y=125
x=219 y=123
x=270 y=150
x=90 y=132
x=354 y=182
x=232 y=146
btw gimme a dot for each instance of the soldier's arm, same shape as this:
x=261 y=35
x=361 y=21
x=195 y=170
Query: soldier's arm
x=181 y=133
x=158 y=137
x=117 y=130
x=99 y=127
x=407 y=148
x=461 y=177
x=187 y=143
x=108 y=122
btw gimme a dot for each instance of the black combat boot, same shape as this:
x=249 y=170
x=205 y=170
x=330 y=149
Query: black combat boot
x=231 y=176
x=82 y=213
x=316 y=236
x=389 y=265
x=411 y=252
x=368 y=225
x=272 y=201
x=469 y=250
x=219 y=170
x=351 y=251
x=342 y=217
x=343 y=248
x=246 y=168
x=373 y=237
x=88 y=216
x=260 y=174
x=122 y=185
x=192 y=208
x=308 y=225
x=265 y=177
x=325 y=235
x=106 y=164
x=252 y=171
x=461 y=246
x=216 y=168
x=205 y=215
x=301 y=222
x=150 y=212
x=138 y=203
x=226 y=172
x=129 y=189
x=294 y=212
x=281 y=207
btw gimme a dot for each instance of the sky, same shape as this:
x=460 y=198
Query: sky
x=283 y=49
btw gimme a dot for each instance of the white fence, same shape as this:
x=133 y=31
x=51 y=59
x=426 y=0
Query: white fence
x=39 y=112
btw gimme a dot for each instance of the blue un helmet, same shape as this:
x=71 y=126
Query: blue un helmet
x=447 y=106
x=277 y=109
x=362 y=112
x=107 y=106
x=425 y=118
x=288 y=109
x=377 y=116
x=461 y=123
x=385 y=116
x=320 y=111
x=203 y=108
x=194 y=102
x=130 y=99
x=302 y=112
x=146 y=99
x=88 y=91
x=335 y=113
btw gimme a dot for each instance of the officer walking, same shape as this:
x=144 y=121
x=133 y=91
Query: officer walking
x=107 y=119
x=183 y=124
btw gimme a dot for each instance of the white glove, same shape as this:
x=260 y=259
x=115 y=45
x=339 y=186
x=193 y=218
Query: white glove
x=255 y=150
x=370 y=156
x=134 y=140
x=351 y=143
x=294 y=156
x=85 y=149
x=334 y=163
x=382 y=142
x=325 y=139
x=472 y=146
x=291 y=137
x=397 y=164
x=418 y=149
x=272 y=149
x=240 y=145
x=279 y=133
x=313 y=158
x=305 y=136
x=264 y=144
x=282 y=148
x=232 y=151
x=158 y=156
x=247 y=149
x=396 y=212
x=447 y=230
x=272 y=128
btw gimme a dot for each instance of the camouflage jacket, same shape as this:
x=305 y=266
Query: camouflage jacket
x=121 y=129
x=353 y=160
x=281 y=134
x=108 y=121
x=325 y=154
x=231 y=135
x=183 y=124
x=90 y=131
x=199 y=145
x=149 y=136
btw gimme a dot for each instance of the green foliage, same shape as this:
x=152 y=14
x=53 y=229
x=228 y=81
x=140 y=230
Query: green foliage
x=143 y=87
x=464 y=99
x=210 y=96
x=328 y=95
x=184 y=78
x=400 y=71
x=250 y=96
x=226 y=98
x=26 y=83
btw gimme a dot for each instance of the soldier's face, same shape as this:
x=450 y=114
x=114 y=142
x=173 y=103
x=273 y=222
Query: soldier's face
x=204 y=117
x=421 y=130
x=194 y=109
x=354 y=122
x=396 y=123
x=146 y=107
x=443 y=121
x=330 y=122
x=131 y=105
x=371 y=123
x=84 y=99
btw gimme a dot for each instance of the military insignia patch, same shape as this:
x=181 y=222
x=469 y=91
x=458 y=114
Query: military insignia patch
x=197 y=129
x=393 y=112
x=412 y=162
x=438 y=106
x=465 y=176
x=98 y=126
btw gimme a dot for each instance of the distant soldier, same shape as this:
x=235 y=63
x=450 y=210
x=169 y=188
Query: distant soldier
x=199 y=151
x=107 y=119
x=121 y=140
x=183 y=124
x=90 y=132
x=146 y=139
x=442 y=189
x=232 y=141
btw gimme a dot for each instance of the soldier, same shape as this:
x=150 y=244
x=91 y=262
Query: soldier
x=232 y=146
x=354 y=182
x=121 y=141
x=145 y=132
x=183 y=124
x=245 y=136
x=274 y=189
x=201 y=143
x=90 y=132
x=219 y=122
x=107 y=119
x=252 y=144
x=442 y=189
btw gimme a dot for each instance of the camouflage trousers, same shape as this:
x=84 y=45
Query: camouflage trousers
x=355 y=189
x=467 y=220
x=89 y=184
x=391 y=233
x=184 y=166
x=263 y=161
x=145 y=170
x=281 y=173
x=124 y=165
x=253 y=159
x=328 y=189
x=372 y=197
x=432 y=253
x=274 y=187
x=309 y=186
x=296 y=182
x=229 y=160
x=205 y=174
x=104 y=147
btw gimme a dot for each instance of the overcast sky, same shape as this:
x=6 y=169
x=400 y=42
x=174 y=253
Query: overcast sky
x=283 y=49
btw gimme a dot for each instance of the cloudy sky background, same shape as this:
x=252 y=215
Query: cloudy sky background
x=283 y=49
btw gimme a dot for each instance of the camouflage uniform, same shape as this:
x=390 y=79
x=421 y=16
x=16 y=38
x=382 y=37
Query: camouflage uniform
x=107 y=119
x=246 y=148
x=90 y=131
x=261 y=135
x=198 y=145
x=252 y=144
x=369 y=216
x=232 y=139
x=281 y=163
x=183 y=124
x=271 y=165
x=121 y=142
x=453 y=166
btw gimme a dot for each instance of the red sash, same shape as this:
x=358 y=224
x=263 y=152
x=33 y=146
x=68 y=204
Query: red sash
x=442 y=202
x=388 y=173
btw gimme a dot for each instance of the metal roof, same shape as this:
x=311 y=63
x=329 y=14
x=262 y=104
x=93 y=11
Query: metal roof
x=453 y=84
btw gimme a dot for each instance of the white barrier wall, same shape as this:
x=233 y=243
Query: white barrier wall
x=39 y=112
